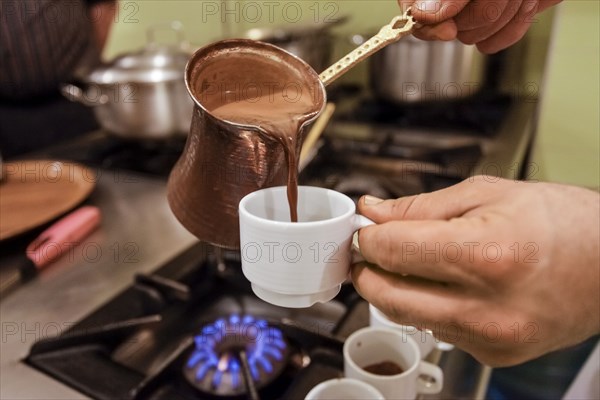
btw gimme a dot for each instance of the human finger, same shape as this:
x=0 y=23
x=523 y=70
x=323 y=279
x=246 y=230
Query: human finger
x=444 y=31
x=479 y=14
x=406 y=300
x=477 y=35
x=448 y=313
x=441 y=251
x=511 y=32
x=443 y=204
x=433 y=11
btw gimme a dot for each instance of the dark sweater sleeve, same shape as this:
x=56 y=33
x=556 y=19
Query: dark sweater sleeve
x=41 y=44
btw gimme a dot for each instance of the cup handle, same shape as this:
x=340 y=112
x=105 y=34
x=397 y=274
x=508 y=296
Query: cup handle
x=358 y=222
x=443 y=346
x=431 y=378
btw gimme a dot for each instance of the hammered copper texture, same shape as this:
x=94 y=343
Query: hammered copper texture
x=222 y=161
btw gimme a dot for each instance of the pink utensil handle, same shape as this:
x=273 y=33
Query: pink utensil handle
x=62 y=235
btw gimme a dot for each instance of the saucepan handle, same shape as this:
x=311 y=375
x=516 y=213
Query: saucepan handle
x=76 y=94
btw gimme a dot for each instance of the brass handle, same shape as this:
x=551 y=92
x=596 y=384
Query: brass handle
x=399 y=27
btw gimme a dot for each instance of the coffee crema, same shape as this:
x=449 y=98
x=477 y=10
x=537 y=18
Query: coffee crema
x=279 y=117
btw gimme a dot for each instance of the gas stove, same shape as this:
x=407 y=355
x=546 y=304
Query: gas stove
x=193 y=329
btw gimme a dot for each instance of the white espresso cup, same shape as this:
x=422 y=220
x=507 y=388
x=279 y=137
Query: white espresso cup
x=424 y=338
x=371 y=346
x=344 y=388
x=297 y=264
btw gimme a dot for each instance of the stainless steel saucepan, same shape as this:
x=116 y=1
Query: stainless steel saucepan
x=140 y=95
x=414 y=70
x=313 y=43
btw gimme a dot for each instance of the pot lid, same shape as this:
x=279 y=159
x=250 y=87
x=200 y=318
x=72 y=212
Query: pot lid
x=286 y=33
x=153 y=64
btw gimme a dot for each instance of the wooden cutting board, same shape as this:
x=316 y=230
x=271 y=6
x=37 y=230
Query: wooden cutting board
x=34 y=192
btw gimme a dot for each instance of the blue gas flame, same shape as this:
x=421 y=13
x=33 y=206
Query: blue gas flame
x=262 y=343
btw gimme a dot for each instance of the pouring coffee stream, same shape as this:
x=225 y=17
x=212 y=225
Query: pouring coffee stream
x=282 y=122
x=253 y=102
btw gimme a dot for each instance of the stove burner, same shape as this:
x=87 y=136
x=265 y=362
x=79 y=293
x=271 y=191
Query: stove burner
x=216 y=366
x=480 y=114
x=152 y=157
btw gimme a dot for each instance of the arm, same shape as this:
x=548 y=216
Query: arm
x=102 y=14
x=492 y=25
x=506 y=270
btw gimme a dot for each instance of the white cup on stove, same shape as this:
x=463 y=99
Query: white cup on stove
x=297 y=264
x=423 y=338
x=344 y=388
x=369 y=347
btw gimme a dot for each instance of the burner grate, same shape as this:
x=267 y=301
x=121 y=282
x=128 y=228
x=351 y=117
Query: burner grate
x=144 y=343
x=481 y=114
x=216 y=364
x=150 y=157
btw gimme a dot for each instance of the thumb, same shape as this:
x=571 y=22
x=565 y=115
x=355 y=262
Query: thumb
x=444 y=204
x=434 y=11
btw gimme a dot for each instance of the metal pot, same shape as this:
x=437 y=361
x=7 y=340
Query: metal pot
x=142 y=94
x=413 y=70
x=223 y=161
x=312 y=43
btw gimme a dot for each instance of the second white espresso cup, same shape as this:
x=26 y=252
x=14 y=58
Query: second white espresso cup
x=297 y=264
x=372 y=346
x=344 y=388
x=423 y=338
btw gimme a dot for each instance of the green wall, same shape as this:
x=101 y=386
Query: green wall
x=568 y=145
x=206 y=21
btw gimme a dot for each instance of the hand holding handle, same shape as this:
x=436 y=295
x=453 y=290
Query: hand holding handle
x=358 y=222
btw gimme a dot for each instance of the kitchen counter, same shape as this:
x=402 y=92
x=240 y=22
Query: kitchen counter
x=138 y=233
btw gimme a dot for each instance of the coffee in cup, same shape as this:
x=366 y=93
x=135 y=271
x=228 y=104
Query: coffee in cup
x=371 y=354
x=384 y=368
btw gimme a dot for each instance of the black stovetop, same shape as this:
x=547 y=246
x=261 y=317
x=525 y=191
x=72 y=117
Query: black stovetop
x=138 y=344
x=481 y=114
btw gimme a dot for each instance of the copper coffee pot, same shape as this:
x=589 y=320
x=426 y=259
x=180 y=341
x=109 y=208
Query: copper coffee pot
x=224 y=161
